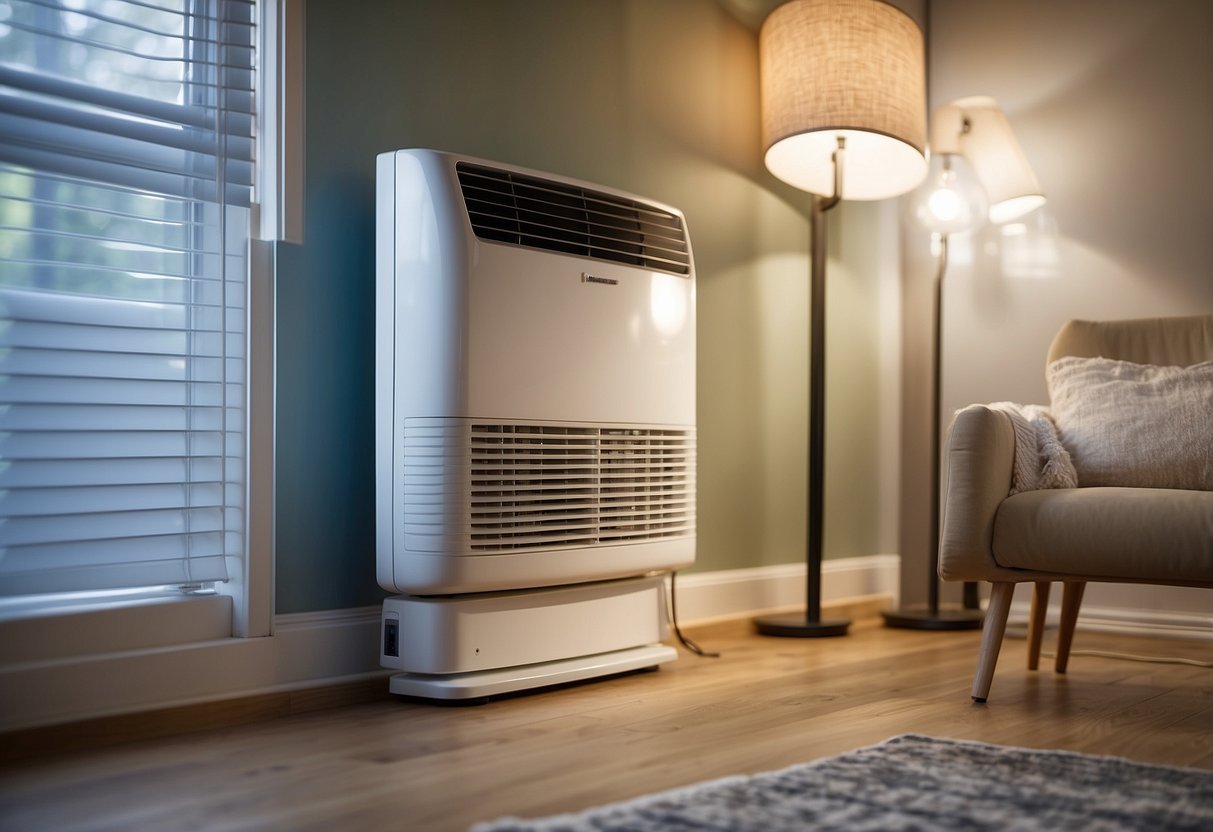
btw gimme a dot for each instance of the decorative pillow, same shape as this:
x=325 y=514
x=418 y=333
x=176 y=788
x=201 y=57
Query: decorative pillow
x=1135 y=424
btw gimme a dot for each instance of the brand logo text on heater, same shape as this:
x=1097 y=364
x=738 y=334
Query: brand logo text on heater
x=589 y=278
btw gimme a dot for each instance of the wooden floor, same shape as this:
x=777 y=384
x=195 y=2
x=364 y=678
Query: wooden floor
x=765 y=704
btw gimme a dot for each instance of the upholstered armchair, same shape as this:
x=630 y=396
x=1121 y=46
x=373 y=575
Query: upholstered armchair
x=1131 y=422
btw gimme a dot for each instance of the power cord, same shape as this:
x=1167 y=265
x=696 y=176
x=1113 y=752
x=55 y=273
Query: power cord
x=683 y=640
x=1130 y=657
x=1110 y=654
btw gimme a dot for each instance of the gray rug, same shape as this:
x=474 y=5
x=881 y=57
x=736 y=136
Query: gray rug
x=919 y=783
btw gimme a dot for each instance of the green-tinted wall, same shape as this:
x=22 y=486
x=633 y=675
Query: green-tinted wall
x=657 y=97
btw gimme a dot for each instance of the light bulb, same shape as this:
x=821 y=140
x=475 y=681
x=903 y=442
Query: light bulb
x=951 y=199
x=945 y=205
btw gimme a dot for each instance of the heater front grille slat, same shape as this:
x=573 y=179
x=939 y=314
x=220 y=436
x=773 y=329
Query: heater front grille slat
x=507 y=207
x=482 y=487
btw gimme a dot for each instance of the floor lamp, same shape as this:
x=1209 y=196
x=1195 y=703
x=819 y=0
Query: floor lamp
x=977 y=171
x=843 y=117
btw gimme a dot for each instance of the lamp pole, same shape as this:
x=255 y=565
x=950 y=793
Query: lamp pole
x=811 y=625
x=934 y=618
x=833 y=73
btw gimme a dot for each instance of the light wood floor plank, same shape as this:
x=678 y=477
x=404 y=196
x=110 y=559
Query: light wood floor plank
x=767 y=703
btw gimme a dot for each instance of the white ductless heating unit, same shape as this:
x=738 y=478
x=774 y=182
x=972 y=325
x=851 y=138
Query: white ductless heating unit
x=535 y=424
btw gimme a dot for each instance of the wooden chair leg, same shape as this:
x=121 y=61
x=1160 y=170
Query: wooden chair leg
x=991 y=637
x=1036 y=622
x=1071 y=600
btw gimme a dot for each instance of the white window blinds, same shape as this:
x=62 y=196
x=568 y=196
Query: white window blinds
x=125 y=179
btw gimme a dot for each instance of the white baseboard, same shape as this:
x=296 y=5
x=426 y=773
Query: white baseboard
x=1130 y=609
x=333 y=646
x=731 y=593
x=329 y=643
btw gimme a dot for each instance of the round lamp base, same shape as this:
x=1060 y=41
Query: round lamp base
x=940 y=619
x=798 y=626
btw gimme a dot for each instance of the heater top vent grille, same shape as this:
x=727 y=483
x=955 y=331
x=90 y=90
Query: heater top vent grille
x=507 y=207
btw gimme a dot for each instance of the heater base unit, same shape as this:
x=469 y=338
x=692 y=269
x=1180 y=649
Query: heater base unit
x=535 y=424
x=473 y=646
x=462 y=687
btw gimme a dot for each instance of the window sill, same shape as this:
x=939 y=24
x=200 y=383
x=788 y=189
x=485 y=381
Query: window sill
x=307 y=650
x=143 y=622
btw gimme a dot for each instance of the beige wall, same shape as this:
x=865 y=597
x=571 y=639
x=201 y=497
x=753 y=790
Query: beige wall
x=1112 y=101
x=658 y=97
x=753 y=381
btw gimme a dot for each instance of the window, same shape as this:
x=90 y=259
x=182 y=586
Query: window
x=126 y=170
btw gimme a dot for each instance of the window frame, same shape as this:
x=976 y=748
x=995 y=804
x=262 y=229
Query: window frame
x=156 y=649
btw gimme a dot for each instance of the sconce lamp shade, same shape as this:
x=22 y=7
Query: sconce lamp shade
x=977 y=128
x=844 y=68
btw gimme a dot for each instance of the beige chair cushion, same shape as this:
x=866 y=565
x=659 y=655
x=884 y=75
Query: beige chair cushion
x=1150 y=535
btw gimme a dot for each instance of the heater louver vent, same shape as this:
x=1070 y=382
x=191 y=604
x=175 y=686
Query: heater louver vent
x=527 y=486
x=507 y=207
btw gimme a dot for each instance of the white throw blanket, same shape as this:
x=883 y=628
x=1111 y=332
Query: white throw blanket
x=1040 y=459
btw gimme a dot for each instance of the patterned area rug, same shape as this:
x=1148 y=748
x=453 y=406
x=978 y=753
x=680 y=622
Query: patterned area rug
x=919 y=783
